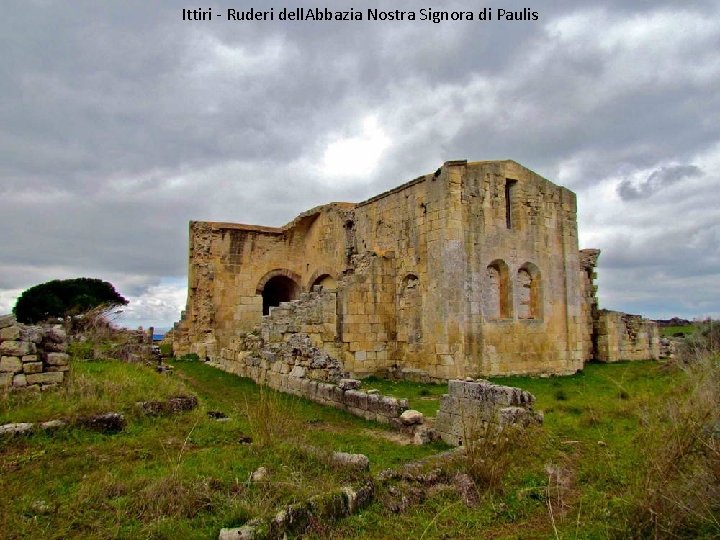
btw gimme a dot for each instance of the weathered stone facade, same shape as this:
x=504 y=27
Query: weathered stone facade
x=32 y=357
x=473 y=270
x=625 y=337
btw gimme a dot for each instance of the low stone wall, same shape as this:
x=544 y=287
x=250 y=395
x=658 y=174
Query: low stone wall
x=621 y=336
x=298 y=367
x=471 y=407
x=32 y=357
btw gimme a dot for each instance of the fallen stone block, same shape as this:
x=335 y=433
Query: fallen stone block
x=411 y=417
x=105 y=423
x=16 y=428
x=353 y=461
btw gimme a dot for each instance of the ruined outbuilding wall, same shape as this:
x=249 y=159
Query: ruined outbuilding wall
x=472 y=409
x=588 y=293
x=294 y=366
x=621 y=336
x=33 y=357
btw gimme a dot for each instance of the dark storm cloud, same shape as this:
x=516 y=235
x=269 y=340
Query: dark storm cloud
x=656 y=181
x=121 y=123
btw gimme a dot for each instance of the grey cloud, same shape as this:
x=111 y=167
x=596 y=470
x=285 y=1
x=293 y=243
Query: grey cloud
x=657 y=180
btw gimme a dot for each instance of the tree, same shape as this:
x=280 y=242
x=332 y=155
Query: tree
x=65 y=297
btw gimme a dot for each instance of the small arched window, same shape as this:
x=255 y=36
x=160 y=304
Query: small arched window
x=529 y=290
x=410 y=312
x=497 y=298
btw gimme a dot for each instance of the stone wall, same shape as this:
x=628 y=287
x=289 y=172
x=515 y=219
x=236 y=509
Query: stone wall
x=621 y=336
x=297 y=367
x=588 y=263
x=32 y=357
x=472 y=407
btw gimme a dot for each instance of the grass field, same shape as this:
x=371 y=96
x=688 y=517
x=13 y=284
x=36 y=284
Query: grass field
x=186 y=476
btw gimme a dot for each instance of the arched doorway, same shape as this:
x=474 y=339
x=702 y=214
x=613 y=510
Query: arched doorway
x=278 y=288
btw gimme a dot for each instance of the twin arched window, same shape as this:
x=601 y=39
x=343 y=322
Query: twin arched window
x=498 y=292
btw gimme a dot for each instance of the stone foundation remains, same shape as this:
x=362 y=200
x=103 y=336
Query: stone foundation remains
x=32 y=357
x=295 y=366
x=471 y=409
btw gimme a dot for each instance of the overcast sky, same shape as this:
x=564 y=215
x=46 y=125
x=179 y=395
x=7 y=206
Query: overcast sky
x=120 y=122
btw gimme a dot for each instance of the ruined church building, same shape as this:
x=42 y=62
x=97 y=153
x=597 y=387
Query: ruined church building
x=473 y=270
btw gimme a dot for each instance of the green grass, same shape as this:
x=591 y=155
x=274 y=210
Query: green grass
x=421 y=397
x=186 y=476
x=177 y=476
x=590 y=431
x=672 y=331
x=96 y=386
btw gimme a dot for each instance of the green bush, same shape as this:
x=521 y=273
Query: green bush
x=67 y=297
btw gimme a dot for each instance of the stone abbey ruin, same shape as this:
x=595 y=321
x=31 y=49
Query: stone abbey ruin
x=473 y=270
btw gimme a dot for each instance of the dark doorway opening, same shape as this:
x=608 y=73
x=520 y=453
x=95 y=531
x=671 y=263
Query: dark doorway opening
x=278 y=289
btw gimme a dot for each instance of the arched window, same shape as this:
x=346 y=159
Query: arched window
x=497 y=292
x=410 y=312
x=529 y=292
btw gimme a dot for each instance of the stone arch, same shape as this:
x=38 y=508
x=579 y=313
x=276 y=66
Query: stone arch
x=529 y=290
x=497 y=291
x=322 y=277
x=278 y=286
x=409 y=320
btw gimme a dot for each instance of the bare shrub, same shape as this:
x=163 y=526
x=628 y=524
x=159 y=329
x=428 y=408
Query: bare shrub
x=677 y=493
x=488 y=449
x=271 y=418
x=172 y=496
x=701 y=344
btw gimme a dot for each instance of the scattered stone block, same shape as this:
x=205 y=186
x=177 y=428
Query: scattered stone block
x=259 y=475
x=52 y=425
x=111 y=422
x=18 y=428
x=411 y=417
x=173 y=405
x=353 y=461
x=349 y=384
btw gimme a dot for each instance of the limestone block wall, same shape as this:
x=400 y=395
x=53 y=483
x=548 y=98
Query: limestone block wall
x=588 y=292
x=32 y=357
x=297 y=367
x=621 y=336
x=366 y=307
x=521 y=303
x=470 y=406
